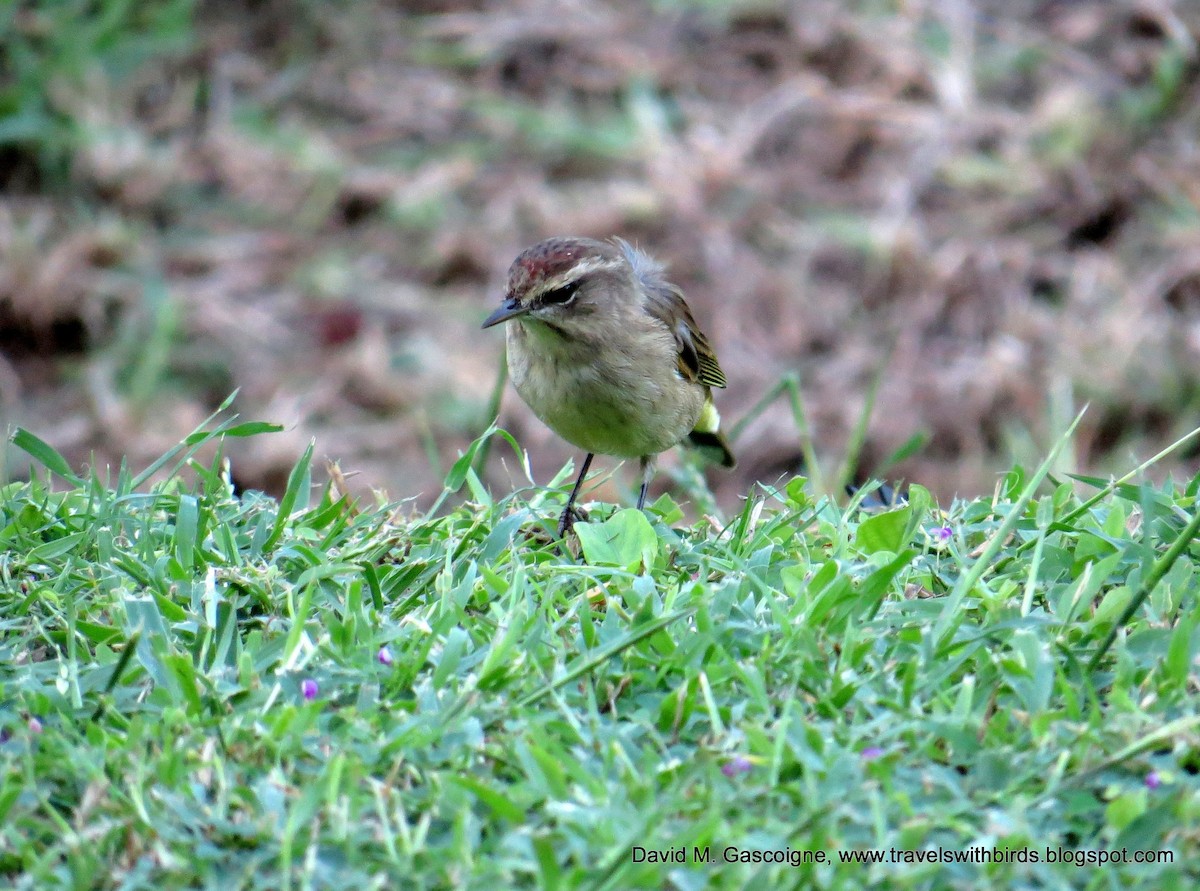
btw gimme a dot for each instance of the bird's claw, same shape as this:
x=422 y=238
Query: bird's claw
x=569 y=518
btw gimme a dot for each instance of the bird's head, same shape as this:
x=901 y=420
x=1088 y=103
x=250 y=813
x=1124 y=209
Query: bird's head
x=562 y=282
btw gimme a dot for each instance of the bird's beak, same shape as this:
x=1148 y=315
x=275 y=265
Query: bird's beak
x=509 y=309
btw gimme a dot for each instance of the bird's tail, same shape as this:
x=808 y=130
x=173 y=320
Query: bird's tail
x=708 y=438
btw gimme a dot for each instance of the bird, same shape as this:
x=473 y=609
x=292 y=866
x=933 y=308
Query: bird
x=607 y=354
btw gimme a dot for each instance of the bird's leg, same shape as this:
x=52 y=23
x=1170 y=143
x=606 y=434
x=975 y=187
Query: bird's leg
x=567 y=520
x=647 y=472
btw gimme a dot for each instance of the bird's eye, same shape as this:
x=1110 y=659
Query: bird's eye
x=560 y=296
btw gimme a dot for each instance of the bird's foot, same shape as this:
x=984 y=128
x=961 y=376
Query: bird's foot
x=569 y=518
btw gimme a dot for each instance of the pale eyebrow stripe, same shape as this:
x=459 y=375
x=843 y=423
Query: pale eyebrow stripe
x=576 y=272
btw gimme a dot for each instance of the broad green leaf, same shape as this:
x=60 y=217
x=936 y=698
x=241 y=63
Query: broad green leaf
x=884 y=532
x=626 y=540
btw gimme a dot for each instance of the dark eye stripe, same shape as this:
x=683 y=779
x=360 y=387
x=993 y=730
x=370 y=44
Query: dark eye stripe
x=560 y=296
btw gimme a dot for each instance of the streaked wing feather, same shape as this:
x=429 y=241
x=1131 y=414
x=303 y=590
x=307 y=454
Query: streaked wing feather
x=697 y=359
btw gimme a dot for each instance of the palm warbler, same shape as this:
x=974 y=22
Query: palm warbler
x=607 y=354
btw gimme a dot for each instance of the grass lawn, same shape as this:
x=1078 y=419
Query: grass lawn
x=206 y=689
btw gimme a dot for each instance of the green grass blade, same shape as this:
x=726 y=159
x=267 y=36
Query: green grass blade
x=45 y=454
x=298 y=485
x=1160 y=568
x=967 y=581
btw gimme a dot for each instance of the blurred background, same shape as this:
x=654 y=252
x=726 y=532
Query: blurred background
x=953 y=223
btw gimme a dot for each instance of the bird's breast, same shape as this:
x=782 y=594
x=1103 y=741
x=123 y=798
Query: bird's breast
x=624 y=398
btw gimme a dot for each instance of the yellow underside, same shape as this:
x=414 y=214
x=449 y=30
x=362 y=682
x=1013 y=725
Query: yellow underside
x=709 y=420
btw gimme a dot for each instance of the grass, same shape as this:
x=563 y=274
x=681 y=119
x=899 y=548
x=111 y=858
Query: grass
x=200 y=688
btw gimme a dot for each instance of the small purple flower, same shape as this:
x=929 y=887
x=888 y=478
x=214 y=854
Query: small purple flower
x=5 y=734
x=1153 y=780
x=870 y=753
x=942 y=534
x=384 y=656
x=35 y=726
x=736 y=765
x=309 y=689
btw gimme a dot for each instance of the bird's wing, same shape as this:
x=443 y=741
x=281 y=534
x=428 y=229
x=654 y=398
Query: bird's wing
x=697 y=360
